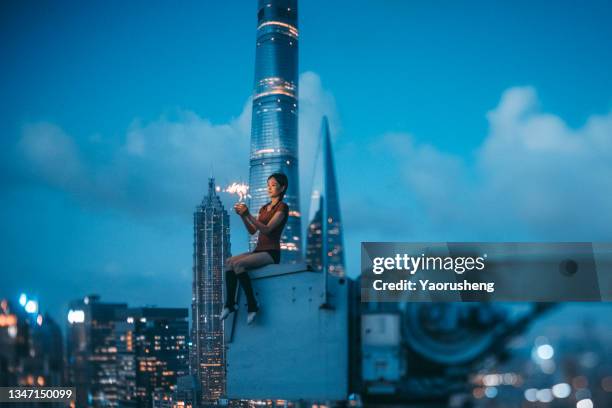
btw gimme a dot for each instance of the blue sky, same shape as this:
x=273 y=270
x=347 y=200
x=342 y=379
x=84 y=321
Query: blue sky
x=452 y=121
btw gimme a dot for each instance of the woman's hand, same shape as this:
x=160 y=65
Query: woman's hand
x=241 y=209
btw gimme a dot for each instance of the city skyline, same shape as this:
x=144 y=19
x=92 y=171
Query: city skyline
x=120 y=356
x=118 y=187
x=387 y=103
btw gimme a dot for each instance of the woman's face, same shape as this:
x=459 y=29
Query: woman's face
x=274 y=188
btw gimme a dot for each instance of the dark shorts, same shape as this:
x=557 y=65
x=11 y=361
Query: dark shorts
x=274 y=253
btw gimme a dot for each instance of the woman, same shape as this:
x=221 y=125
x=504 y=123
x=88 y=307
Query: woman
x=270 y=223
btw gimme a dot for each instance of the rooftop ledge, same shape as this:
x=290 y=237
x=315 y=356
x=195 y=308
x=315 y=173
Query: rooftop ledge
x=269 y=271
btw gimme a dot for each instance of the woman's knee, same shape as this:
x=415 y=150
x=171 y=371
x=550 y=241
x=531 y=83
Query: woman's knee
x=252 y=262
x=239 y=267
x=231 y=261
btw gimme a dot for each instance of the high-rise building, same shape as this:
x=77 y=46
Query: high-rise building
x=187 y=392
x=211 y=247
x=274 y=131
x=325 y=205
x=92 y=351
x=152 y=353
x=31 y=346
x=120 y=357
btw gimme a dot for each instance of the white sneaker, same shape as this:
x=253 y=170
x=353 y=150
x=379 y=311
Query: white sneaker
x=251 y=317
x=225 y=313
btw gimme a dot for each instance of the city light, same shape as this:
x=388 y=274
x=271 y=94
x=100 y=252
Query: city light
x=585 y=403
x=7 y=320
x=562 y=390
x=491 y=392
x=31 y=306
x=76 y=316
x=531 y=394
x=23 y=299
x=545 y=352
x=544 y=395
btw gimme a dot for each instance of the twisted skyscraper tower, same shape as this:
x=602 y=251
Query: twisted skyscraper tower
x=274 y=131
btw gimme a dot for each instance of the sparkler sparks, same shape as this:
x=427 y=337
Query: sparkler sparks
x=241 y=189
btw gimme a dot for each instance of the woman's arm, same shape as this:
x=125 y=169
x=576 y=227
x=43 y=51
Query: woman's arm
x=242 y=211
x=249 y=226
x=266 y=228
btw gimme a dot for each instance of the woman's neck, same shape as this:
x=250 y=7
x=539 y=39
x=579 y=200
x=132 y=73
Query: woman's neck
x=274 y=201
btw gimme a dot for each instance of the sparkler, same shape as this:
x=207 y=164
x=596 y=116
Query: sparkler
x=241 y=189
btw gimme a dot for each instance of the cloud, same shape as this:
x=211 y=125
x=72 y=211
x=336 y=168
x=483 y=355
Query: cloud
x=533 y=177
x=161 y=166
x=54 y=154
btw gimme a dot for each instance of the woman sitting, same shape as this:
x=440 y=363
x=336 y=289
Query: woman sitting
x=270 y=223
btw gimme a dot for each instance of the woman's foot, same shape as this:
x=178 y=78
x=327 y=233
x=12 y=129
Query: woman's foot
x=252 y=313
x=226 y=312
x=251 y=317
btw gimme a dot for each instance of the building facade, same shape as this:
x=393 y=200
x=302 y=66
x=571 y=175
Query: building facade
x=325 y=238
x=152 y=353
x=31 y=347
x=92 y=351
x=211 y=247
x=274 y=131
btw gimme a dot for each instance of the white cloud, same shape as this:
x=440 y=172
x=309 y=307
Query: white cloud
x=533 y=177
x=163 y=165
x=50 y=154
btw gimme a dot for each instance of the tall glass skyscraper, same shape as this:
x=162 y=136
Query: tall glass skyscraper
x=211 y=247
x=325 y=238
x=274 y=132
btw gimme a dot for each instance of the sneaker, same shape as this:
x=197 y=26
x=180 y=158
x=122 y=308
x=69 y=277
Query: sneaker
x=226 y=312
x=251 y=317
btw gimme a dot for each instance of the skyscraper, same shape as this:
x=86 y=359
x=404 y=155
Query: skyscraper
x=211 y=247
x=31 y=346
x=92 y=351
x=274 y=131
x=152 y=353
x=325 y=205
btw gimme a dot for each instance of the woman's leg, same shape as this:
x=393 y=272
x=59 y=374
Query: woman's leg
x=231 y=281
x=229 y=262
x=242 y=267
